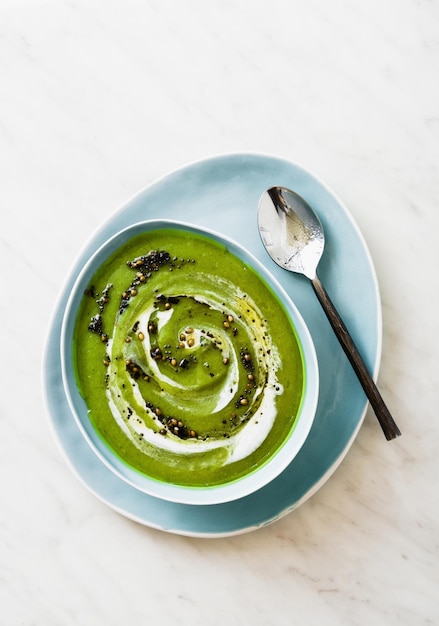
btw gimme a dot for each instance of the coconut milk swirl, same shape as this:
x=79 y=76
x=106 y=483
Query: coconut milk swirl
x=194 y=373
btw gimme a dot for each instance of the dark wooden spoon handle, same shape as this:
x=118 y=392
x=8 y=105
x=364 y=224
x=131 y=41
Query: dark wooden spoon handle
x=386 y=421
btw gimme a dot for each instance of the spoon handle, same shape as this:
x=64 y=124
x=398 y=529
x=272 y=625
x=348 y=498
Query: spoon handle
x=390 y=429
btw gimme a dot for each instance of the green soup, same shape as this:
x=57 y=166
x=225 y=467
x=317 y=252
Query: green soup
x=188 y=363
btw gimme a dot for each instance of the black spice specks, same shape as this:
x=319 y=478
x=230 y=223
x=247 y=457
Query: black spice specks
x=96 y=325
x=171 y=424
x=105 y=297
x=144 y=267
x=90 y=292
x=135 y=370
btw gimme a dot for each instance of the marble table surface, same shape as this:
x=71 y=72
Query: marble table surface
x=100 y=98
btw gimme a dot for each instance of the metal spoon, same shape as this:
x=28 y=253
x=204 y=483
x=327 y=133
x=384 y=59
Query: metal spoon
x=293 y=236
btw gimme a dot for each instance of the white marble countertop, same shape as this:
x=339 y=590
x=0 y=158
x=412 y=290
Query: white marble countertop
x=99 y=98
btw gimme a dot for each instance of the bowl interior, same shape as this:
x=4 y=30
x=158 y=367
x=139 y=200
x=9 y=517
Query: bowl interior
x=228 y=491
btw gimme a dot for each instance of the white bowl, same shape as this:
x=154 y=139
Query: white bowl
x=228 y=491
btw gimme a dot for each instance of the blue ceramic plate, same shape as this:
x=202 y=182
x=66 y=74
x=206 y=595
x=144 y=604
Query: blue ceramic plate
x=223 y=193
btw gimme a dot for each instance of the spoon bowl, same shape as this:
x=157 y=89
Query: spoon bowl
x=292 y=233
x=294 y=238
